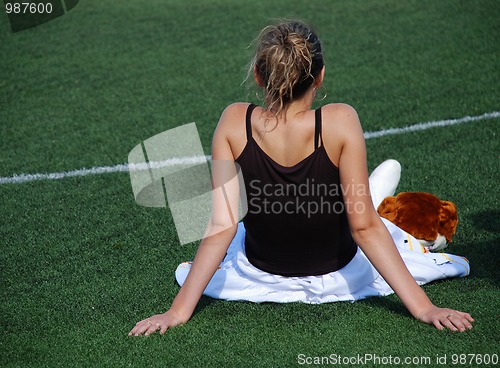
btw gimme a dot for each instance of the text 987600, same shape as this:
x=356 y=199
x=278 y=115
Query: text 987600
x=12 y=7
x=28 y=14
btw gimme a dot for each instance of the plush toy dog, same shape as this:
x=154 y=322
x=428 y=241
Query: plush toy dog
x=432 y=221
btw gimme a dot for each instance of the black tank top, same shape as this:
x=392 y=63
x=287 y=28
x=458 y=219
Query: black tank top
x=296 y=224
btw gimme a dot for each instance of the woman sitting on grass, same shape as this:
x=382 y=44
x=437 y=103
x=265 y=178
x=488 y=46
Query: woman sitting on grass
x=311 y=233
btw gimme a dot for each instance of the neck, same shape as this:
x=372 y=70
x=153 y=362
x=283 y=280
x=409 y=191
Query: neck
x=299 y=105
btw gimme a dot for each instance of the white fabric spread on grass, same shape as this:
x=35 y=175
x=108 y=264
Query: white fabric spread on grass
x=237 y=279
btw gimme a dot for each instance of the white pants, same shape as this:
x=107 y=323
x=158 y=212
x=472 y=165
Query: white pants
x=237 y=279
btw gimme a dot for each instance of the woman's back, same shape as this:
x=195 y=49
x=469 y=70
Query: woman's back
x=296 y=222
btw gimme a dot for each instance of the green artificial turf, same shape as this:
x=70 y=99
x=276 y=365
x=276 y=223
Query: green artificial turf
x=81 y=262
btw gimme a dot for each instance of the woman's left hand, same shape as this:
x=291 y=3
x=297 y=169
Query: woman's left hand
x=158 y=322
x=443 y=318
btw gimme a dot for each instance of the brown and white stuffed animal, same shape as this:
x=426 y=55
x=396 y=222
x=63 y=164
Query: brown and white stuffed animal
x=432 y=221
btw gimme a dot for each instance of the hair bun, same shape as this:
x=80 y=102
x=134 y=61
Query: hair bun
x=288 y=58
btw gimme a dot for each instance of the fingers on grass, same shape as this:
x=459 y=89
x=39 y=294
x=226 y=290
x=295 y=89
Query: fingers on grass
x=163 y=330
x=134 y=331
x=140 y=328
x=467 y=320
x=438 y=324
x=463 y=321
x=151 y=330
x=444 y=322
x=456 y=322
x=468 y=317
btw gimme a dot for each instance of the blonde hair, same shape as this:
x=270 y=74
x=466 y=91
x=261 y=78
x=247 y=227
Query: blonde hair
x=288 y=58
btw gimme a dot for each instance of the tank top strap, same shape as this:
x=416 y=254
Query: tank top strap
x=248 y=119
x=317 y=129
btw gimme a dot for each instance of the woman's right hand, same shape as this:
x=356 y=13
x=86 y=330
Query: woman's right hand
x=158 y=322
x=443 y=318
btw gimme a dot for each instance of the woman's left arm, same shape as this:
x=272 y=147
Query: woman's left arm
x=220 y=232
x=374 y=239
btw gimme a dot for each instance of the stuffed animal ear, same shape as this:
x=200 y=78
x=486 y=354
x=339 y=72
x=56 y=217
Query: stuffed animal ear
x=386 y=209
x=448 y=220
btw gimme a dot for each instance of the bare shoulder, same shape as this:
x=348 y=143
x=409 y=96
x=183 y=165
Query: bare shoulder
x=234 y=112
x=341 y=120
x=232 y=116
x=231 y=128
x=232 y=119
x=236 y=107
x=340 y=112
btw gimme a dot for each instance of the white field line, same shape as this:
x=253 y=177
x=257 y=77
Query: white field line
x=22 y=178
x=431 y=124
